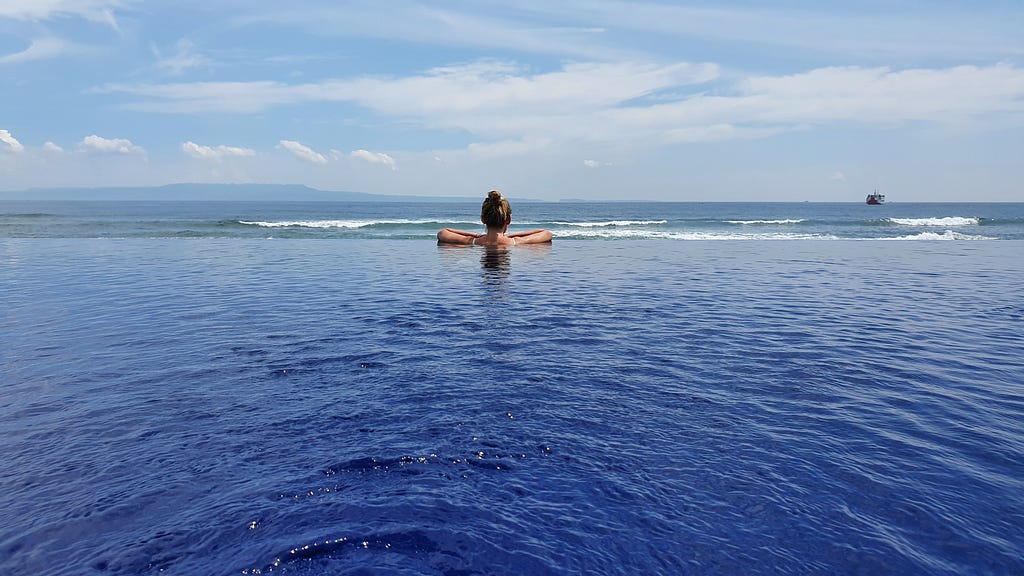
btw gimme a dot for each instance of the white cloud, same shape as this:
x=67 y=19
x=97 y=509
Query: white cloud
x=983 y=30
x=595 y=163
x=303 y=152
x=216 y=97
x=493 y=87
x=101 y=11
x=452 y=96
x=881 y=95
x=52 y=148
x=40 y=49
x=625 y=103
x=375 y=158
x=723 y=132
x=507 y=148
x=215 y=153
x=185 y=57
x=98 y=144
x=838 y=177
x=767 y=105
x=605 y=29
x=9 y=143
x=417 y=23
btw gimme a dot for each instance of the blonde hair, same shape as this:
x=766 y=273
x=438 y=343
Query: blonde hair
x=496 y=210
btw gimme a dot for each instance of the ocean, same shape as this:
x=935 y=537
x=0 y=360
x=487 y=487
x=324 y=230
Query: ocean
x=567 y=220
x=668 y=388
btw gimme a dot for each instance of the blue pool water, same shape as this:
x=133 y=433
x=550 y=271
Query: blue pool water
x=236 y=405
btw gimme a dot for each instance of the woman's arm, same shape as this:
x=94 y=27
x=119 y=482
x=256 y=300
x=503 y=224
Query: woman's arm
x=453 y=236
x=538 y=236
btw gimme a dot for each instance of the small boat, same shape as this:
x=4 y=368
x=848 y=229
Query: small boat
x=875 y=198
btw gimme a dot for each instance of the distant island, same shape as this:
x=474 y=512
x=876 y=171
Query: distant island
x=218 y=193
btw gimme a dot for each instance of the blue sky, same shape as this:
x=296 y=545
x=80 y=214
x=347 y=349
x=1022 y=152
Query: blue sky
x=819 y=101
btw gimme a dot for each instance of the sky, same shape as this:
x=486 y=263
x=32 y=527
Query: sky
x=569 y=99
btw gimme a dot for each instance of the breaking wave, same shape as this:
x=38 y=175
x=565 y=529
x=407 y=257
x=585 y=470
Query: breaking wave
x=611 y=223
x=333 y=223
x=947 y=235
x=754 y=222
x=946 y=221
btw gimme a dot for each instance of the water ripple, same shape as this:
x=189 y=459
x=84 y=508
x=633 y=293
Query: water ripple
x=222 y=407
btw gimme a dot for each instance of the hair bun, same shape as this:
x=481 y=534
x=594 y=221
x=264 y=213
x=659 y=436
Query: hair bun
x=495 y=211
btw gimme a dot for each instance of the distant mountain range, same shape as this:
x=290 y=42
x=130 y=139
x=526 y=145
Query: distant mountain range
x=218 y=192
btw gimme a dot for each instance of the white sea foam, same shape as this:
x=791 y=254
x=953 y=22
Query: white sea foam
x=610 y=223
x=309 y=224
x=947 y=235
x=635 y=234
x=331 y=223
x=947 y=221
x=748 y=222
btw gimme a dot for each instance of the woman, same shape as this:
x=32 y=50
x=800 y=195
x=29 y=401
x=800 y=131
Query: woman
x=496 y=214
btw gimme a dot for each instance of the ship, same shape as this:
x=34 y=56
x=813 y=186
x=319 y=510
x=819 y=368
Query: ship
x=875 y=198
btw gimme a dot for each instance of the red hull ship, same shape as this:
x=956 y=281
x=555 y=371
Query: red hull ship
x=875 y=198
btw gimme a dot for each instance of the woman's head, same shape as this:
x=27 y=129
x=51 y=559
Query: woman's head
x=496 y=211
